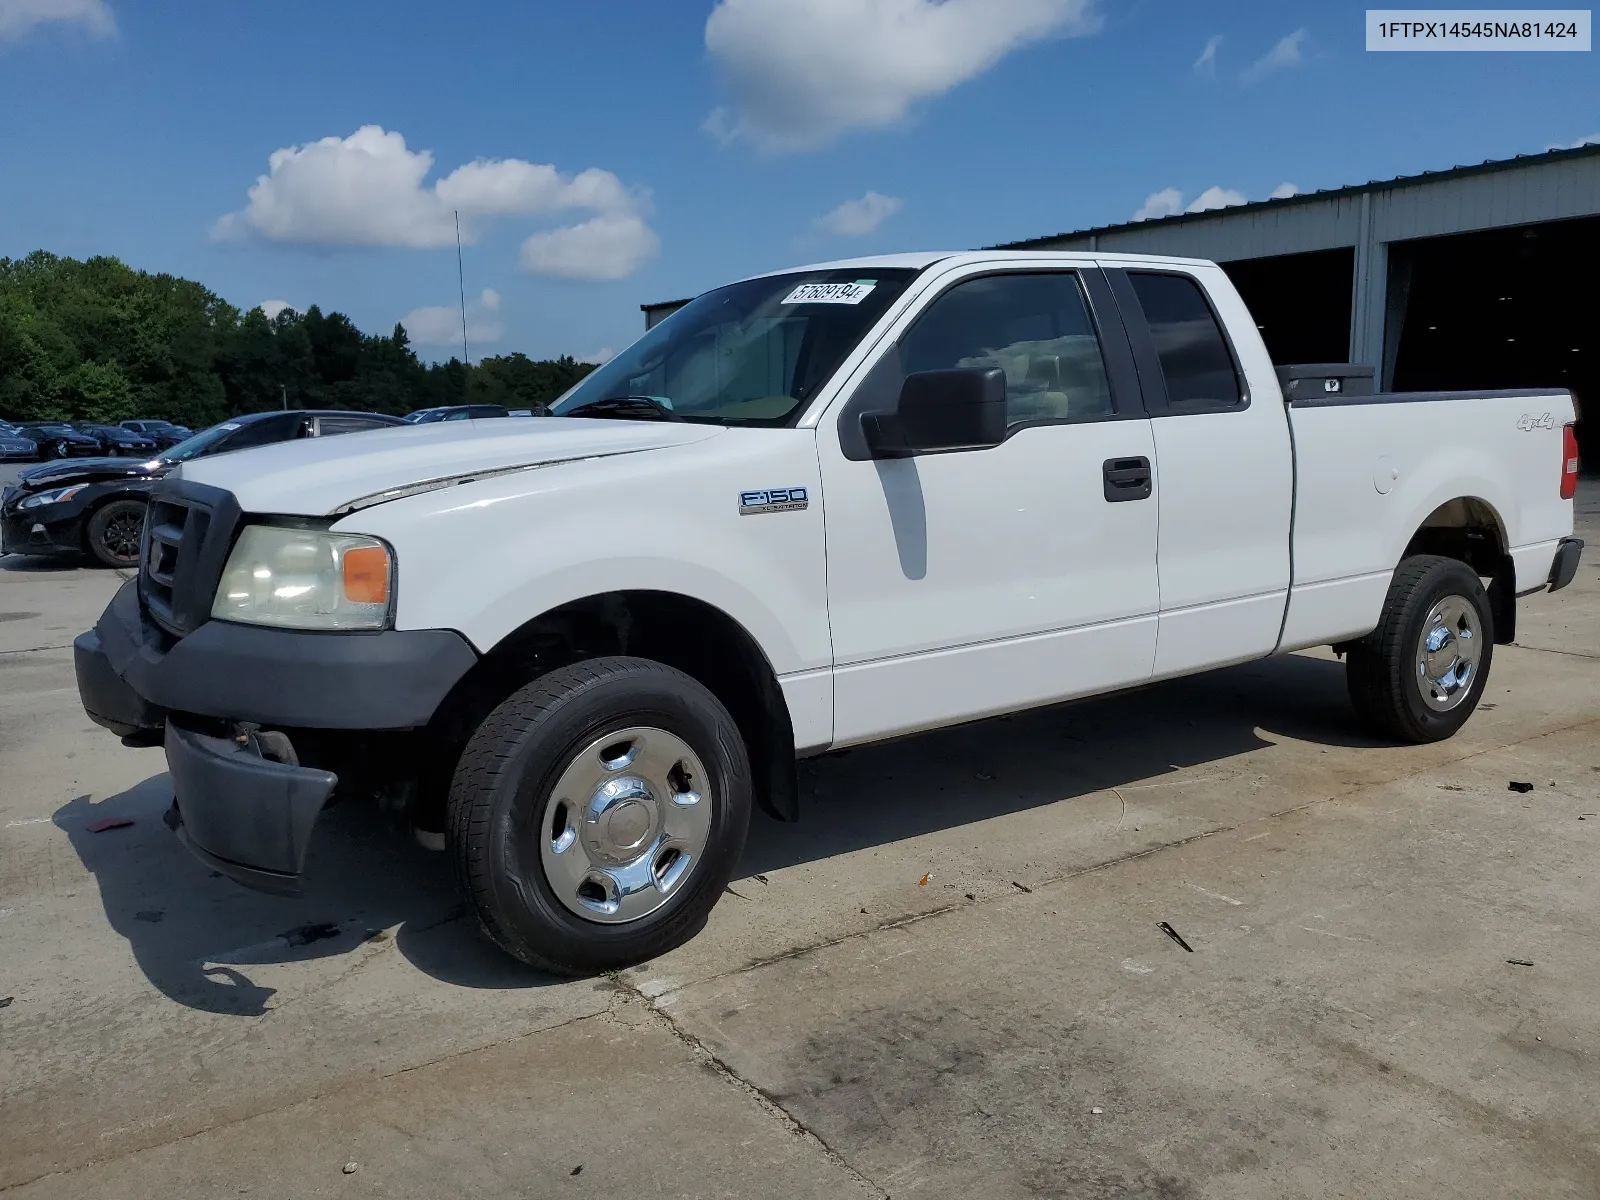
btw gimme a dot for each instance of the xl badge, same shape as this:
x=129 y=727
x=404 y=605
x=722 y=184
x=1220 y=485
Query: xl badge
x=771 y=500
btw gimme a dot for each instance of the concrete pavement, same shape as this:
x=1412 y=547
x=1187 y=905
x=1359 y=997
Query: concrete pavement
x=1348 y=1023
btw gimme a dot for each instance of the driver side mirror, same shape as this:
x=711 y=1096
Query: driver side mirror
x=963 y=408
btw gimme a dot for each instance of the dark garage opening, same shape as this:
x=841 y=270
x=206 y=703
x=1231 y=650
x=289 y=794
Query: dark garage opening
x=1301 y=302
x=1506 y=308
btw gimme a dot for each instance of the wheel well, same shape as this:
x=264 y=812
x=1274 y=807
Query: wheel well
x=1470 y=530
x=696 y=638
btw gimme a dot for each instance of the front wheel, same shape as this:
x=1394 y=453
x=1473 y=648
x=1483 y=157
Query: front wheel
x=597 y=815
x=1419 y=674
x=114 y=532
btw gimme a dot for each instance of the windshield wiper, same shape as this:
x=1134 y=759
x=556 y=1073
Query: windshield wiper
x=647 y=407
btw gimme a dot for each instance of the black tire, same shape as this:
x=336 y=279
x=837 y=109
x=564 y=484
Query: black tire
x=113 y=532
x=1382 y=669
x=513 y=761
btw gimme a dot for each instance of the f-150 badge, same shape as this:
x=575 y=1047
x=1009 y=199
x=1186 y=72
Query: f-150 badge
x=772 y=500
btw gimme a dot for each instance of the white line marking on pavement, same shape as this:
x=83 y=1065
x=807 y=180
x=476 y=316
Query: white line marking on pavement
x=1216 y=895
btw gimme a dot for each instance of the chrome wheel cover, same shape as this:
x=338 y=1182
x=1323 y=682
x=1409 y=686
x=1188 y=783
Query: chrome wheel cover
x=625 y=825
x=1448 y=652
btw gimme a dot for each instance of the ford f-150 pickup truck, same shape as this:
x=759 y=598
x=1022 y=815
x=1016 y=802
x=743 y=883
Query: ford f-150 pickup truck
x=813 y=509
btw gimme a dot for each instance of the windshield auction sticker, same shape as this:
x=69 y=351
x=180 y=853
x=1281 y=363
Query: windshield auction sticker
x=831 y=293
x=1477 y=29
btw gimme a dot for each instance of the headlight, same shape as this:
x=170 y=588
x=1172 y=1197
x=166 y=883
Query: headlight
x=55 y=496
x=306 y=579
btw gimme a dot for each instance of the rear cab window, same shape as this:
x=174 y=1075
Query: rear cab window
x=1196 y=363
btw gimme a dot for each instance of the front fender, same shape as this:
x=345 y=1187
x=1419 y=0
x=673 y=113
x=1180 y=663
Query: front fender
x=487 y=557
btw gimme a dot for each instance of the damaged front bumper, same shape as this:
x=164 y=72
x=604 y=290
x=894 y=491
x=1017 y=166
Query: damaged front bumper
x=241 y=813
x=243 y=802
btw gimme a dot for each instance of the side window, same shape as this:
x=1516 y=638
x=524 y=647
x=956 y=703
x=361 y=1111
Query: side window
x=327 y=426
x=1194 y=354
x=1035 y=327
x=458 y=415
x=257 y=433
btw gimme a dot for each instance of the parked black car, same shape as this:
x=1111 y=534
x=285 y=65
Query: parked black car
x=13 y=446
x=97 y=505
x=456 y=412
x=57 y=439
x=163 y=433
x=114 y=439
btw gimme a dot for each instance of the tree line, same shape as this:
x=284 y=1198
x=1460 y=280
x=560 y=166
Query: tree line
x=99 y=341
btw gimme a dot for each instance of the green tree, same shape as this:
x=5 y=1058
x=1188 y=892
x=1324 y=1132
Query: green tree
x=97 y=340
x=98 y=392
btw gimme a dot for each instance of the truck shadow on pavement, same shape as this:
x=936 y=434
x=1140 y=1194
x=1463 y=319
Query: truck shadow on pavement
x=200 y=938
x=875 y=795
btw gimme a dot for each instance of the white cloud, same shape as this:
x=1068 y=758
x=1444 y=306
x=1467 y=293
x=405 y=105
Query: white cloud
x=1206 y=64
x=440 y=324
x=1285 y=53
x=1283 y=191
x=1164 y=203
x=609 y=246
x=1216 y=197
x=370 y=189
x=802 y=72
x=600 y=357
x=1592 y=140
x=273 y=307
x=20 y=17
x=1168 y=202
x=859 y=217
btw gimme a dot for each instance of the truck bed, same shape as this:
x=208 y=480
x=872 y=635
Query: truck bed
x=1370 y=470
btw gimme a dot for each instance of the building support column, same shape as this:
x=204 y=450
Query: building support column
x=1369 y=303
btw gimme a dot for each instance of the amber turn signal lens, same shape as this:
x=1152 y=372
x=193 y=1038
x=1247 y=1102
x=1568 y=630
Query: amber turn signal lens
x=366 y=575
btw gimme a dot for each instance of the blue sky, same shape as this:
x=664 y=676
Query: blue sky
x=641 y=150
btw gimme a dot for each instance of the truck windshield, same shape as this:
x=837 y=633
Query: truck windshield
x=751 y=353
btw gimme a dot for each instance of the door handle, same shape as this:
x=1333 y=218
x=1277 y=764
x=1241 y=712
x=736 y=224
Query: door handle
x=1127 y=479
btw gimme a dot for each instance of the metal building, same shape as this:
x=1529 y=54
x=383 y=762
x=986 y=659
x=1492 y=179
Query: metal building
x=1481 y=276
x=1475 y=277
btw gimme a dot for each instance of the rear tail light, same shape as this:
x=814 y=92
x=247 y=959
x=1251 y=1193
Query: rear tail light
x=1569 y=462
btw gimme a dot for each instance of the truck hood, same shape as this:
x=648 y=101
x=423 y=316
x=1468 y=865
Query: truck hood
x=331 y=476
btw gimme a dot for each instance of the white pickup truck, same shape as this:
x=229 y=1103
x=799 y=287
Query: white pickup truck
x=810 y=510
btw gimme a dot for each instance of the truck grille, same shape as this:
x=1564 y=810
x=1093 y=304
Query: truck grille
x=188 y=532
x=170 y=525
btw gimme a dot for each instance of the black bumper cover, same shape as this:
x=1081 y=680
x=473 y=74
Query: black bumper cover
x=279 y=678
x=54 y=530
x=1565 y=566
x=246 y=816
x=241 y=814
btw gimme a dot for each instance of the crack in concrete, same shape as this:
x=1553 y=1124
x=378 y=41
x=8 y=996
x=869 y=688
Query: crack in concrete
x=37 y=649
x=709 y=1058
x=1552 y=650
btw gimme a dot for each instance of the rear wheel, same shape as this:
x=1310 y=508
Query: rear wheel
x=114 y=531
x=596 y=816
x=1418 y=676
